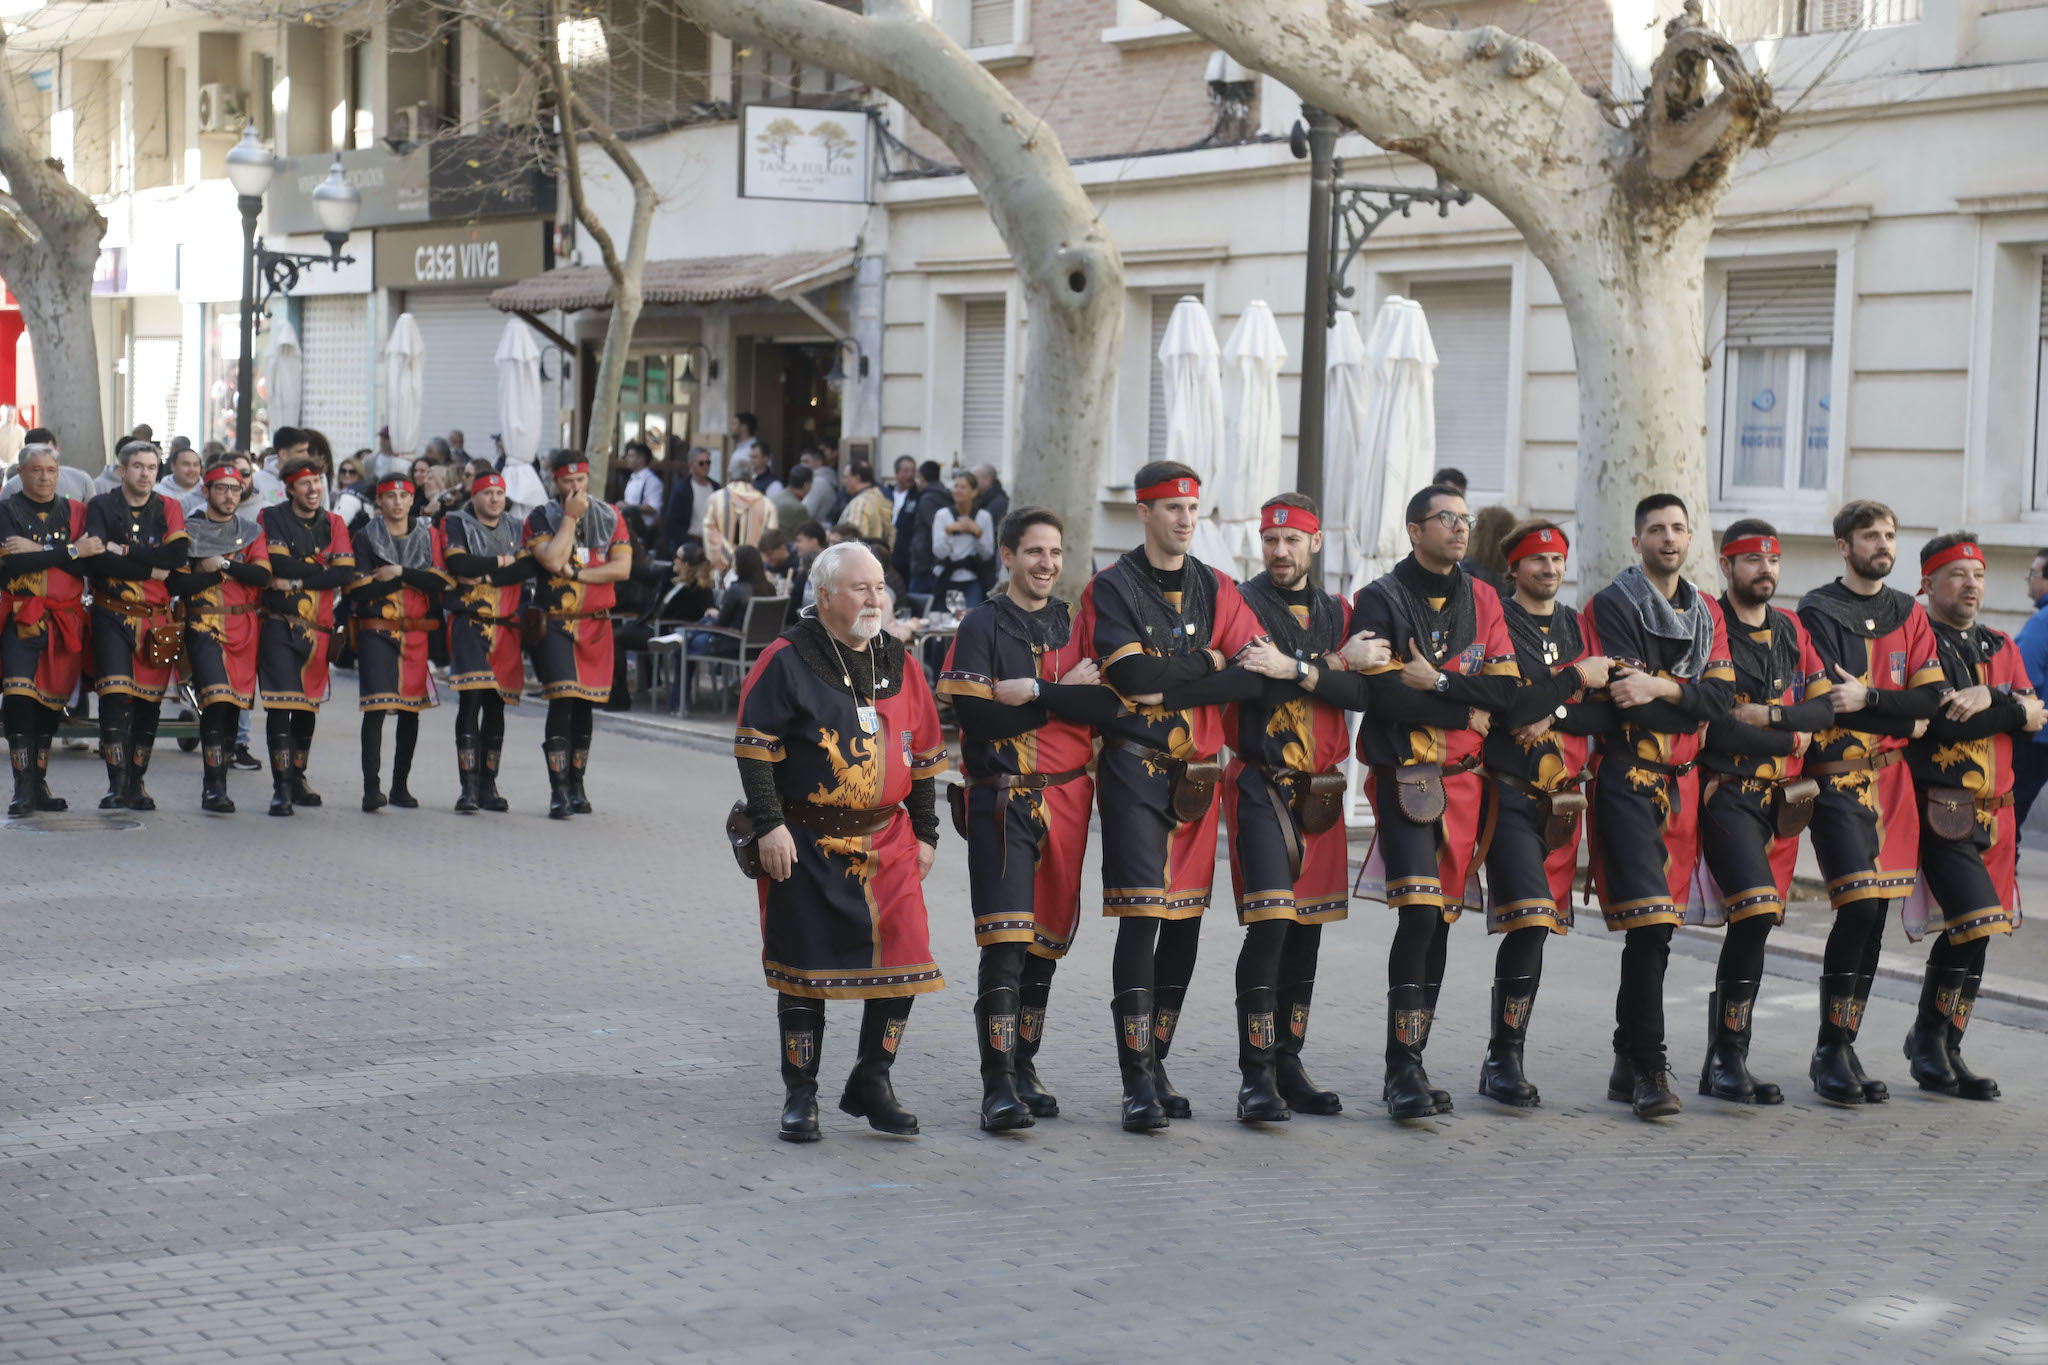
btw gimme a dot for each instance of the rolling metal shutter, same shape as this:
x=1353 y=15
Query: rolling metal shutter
x=461 y=333
x=334 y=338
x=992 y=22
x=982 y=434
x=1468 y=321
x=1789 y=307
x=155 y=384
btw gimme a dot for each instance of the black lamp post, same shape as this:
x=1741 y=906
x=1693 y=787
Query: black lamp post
x=251 y=169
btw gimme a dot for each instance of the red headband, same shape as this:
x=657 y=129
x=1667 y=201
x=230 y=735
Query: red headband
x=1751 y=545
x=483 y=481
x=1280 y=516
x=577 y=468
x=1171 y=488
x=307 y=473
x=223 y=471
x=396 y=481
x=1543 y=542
x=1966 y=550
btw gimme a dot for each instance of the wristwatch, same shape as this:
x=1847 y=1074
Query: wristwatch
x=1037 y=688
x=1777 y=714
x=1443 y=683
x=1301 y=670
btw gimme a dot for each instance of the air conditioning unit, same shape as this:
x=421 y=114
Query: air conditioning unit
x=413 y=123
x=220 y=109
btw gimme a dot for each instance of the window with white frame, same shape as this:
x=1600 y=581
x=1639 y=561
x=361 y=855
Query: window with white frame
x=983 y=337
x=2041 y=384
x=991 y=22
x=1469 y=324
x=1155 y=391
x=1775 y=424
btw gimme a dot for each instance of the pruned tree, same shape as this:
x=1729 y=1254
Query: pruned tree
x=1068 y=267
x=1617 y=202
x=49 y=243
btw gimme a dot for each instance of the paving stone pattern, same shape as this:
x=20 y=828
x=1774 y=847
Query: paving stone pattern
x=423 y=1087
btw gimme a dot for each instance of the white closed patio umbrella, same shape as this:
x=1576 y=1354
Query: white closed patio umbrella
x=405 y=388
x=1344 y=454
x=519 y=409
x=1190 y=360
x=1400 y=429
x=1250 y=456
x=284 y=367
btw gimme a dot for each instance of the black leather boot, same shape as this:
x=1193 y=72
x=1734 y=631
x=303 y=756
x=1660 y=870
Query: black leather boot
x=869 y=1093
x=1131 y=1014
x=803 y=1038
x=21 y=756
x=1258 y=1097
x=1653 y=1097
x=1621 y=1081
x=138 y=767
x=1500 y=1076
x=1874 y=1092
x=1725 y=1073
x=1834 y=1079
x=114 y=752
x=1407 y=1087
x=401 y=774
x=45 y=798
x=1030 y=1033
x=995 y=1024
x=1303 y=1095
x=1165 y=1022
x=579 y=763
x=302 y=795
x=213 y=787
x=466 y=774
x=1927 y=1051
x=487 y=782
x=1430 y=991
x=281 y=773
x=557 y=751
x=1969 y=1085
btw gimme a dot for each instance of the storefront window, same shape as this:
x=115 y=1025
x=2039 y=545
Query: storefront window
x=653 y=403
x=223 y=359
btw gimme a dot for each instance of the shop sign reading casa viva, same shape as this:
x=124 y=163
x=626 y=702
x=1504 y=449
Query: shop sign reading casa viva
x=819 y=155
x=485 y=254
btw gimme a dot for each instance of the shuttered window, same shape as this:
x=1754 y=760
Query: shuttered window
x=461 y=333
x=991 y=22
x=1780 y=327
x=334 y=399
x=156 y=383
x=2041 y=393
x=1155 y=419
x=982 y=430
x=1468 y=322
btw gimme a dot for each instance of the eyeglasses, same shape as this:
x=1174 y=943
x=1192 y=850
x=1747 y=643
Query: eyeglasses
x=1451 y=521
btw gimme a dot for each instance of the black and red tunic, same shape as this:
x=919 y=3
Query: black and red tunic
x=128 y=600
x=574 y=657
x=490 y=567
x=221 y=625
x=395 y=619
x=42 y=616
x=310 y=560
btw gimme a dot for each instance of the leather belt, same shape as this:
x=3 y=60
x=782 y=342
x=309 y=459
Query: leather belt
x=1994 y=802
x=412 y=625
x=197 y=613
x=839 y=822
x=1027 y=781
x=1530 y=789
x=578 y=615
x=1651 y=766
x=1869 y=764
x=485 y=618
x=145 y=612
x=1144 y=750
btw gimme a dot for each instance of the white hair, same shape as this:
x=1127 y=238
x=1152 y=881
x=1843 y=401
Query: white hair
x=831 y=563
x=32 y=451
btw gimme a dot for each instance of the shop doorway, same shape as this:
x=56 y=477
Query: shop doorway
x=787 y=390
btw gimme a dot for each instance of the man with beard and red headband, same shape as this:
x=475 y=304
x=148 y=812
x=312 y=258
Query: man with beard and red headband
x=839 y=749
x=131 y=619
x=1283 y=800
x=222 y=590
x=1536 y=755
x=43 y=546
x=1028 y=699
x=583 y=549
x=1753 y=800
x=397 y=598
x=310 y=560
x=1669 y=676
x=1962 y=769
x=1888 y=682
x=1154 y=620
x=1431 y=708
x=478 y=547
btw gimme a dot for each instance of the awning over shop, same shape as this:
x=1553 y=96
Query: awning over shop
x=695 y=279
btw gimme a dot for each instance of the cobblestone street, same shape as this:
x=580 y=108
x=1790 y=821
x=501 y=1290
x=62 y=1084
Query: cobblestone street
x=425 y=1087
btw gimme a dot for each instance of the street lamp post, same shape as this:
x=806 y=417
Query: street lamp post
x=265 y=272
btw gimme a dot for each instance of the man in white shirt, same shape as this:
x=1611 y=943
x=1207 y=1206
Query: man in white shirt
x=643 y=488
x=742 y=429
x=182 y=483
x=824 y=491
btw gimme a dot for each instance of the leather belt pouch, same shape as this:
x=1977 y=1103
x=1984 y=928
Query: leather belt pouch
x=1191 y=789
x=1419 y=792
x=956 y=797
x=1561 y=812
x=1951 y=813
x=1792 y=806
x=1319 y=801
x=746 y=844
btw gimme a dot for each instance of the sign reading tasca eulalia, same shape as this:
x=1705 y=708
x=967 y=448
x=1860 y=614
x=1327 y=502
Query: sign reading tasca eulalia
x=815 y=154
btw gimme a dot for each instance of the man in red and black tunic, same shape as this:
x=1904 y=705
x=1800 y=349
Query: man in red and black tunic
x=1748 y=836
x=583 y=549
x=839 y=747
x=310 y=560
x=1154 y=619
x=1962 y=769
x=1887 y=686
x=480 y=548
x=1283 y=800
x=1028 y=699
x=397 y=601
x=1669 y=676
x=144 y=533
x=222 y=589
x=1536 y=756
x=1431 y=707
x=43 y=546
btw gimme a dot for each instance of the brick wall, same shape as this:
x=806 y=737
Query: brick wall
x=1579 y=32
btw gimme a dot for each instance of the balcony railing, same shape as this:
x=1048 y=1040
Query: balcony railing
x=1747 y=21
